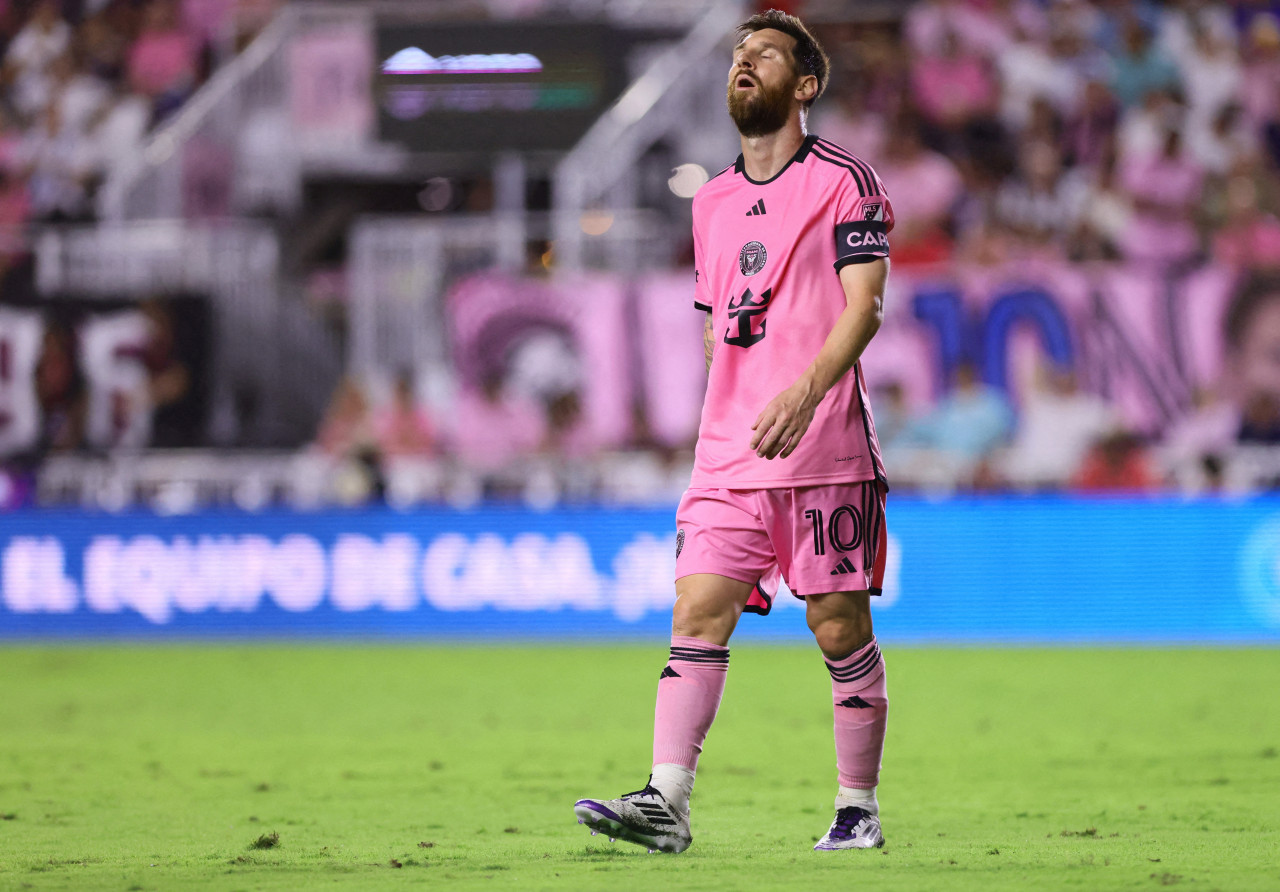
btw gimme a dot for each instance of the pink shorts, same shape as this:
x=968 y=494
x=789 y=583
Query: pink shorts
x=818 y=538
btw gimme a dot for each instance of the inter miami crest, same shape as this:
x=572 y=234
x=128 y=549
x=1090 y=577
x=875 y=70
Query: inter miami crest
x=751 y=258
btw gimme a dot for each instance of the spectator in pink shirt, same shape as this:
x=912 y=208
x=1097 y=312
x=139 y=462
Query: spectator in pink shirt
x=164 y=60
x=982 y=27
x=492 y=428
x=1166 y=191
x=926 y=187
x=1250 y=238
x=403 y=429
x=953 y=88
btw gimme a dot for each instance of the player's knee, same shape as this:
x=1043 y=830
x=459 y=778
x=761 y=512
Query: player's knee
x=705 y=618
x=840 y=635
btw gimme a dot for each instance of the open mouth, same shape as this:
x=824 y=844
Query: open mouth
x=744 y=82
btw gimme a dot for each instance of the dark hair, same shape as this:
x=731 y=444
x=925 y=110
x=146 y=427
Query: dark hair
x=1257 y=290
x=807 y=55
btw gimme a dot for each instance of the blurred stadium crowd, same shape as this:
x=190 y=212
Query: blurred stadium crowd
x=1006 y=131
x=83 y=82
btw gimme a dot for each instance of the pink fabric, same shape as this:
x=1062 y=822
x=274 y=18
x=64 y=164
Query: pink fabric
x=822 y=538
x=489 y=434
x=161 y=61
x=861 y=699
x=1252 y=244
x=770 y=282
x=927 y=186
x=976 y=26
x=403 y=431
x=1165 y=191
x=590 y=307
x=689 y=693
x=211 y=19
x=330 y=91
x=952 y=90
x=1258 y=91
x=671 y=358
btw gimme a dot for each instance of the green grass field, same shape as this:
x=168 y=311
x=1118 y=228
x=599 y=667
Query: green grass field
x=133 y=768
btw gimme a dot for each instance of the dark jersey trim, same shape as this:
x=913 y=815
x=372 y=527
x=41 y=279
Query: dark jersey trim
x=858 y=258
x=866 y=425
x=733 y=167
x=754 y=608
x=873 y=182
x=857 y=175
x=867 y=186
x=698 y=305
x=740 y=166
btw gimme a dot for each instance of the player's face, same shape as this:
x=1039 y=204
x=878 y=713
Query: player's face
x=762 y=82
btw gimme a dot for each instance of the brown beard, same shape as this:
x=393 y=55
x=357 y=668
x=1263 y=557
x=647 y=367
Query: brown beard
x=762 y=114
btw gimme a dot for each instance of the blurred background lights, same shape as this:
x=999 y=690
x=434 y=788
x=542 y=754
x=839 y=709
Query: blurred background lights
x=687 y=179
x=596 y=222
x=436 y=195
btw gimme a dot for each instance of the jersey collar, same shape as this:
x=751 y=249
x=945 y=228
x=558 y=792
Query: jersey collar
x=740 y=166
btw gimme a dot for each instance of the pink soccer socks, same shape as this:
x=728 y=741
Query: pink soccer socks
x=689 y=692
x=861 y=713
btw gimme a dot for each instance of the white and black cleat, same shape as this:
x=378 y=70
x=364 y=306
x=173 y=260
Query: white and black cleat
x=643 y=817
x=853 y=828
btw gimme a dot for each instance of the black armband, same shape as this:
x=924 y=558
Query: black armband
x=861 y=241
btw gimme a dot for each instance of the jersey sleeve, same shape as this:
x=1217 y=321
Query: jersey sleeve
x=701 y=287
x=863 y=222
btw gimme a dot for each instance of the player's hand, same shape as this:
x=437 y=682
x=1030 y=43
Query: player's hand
x=784 y=421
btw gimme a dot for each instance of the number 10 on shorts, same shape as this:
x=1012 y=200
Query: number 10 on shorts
x=843 y=529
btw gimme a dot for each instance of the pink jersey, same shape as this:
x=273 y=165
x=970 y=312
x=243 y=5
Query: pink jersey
x=768 y=256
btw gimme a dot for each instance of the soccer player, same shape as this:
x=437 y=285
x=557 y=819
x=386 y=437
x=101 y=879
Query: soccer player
x=792 y=255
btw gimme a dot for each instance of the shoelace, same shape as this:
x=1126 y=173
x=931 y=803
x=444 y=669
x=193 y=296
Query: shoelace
x=848 y=818
x=649 y=790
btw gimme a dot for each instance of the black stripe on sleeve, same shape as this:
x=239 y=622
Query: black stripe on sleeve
x=838 y=162
x=873 y=181
x=698 y=305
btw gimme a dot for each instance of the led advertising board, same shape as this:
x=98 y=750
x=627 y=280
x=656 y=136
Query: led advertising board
x=485 y=87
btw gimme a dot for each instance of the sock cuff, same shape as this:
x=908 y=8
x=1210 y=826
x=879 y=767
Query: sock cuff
x=694 y=650
x=857 y=665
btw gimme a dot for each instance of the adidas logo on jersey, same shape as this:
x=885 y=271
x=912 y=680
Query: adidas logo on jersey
x=757 y=210
x=845 y=566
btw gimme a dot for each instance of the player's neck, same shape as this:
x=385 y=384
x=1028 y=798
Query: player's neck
x=764 y=156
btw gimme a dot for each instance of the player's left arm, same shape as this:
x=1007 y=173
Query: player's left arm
x=785 y=420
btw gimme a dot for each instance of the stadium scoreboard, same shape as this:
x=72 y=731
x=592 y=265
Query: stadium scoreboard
x=496 y=86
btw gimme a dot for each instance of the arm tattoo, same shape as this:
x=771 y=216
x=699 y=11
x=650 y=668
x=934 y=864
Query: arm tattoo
x=708 y=340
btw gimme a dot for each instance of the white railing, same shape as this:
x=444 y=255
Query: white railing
x=263 y=339
x=679 y=95
x=239 y=120
x=402 y=267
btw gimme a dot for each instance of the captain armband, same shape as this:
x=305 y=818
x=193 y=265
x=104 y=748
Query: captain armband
x=861 y=242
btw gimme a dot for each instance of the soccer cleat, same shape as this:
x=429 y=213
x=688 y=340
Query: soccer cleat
x=853 y=828
x=643 y=817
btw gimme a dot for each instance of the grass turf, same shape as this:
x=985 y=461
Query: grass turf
x=256 y=767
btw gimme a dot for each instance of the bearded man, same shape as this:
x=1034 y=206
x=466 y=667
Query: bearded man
x=792 y=254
